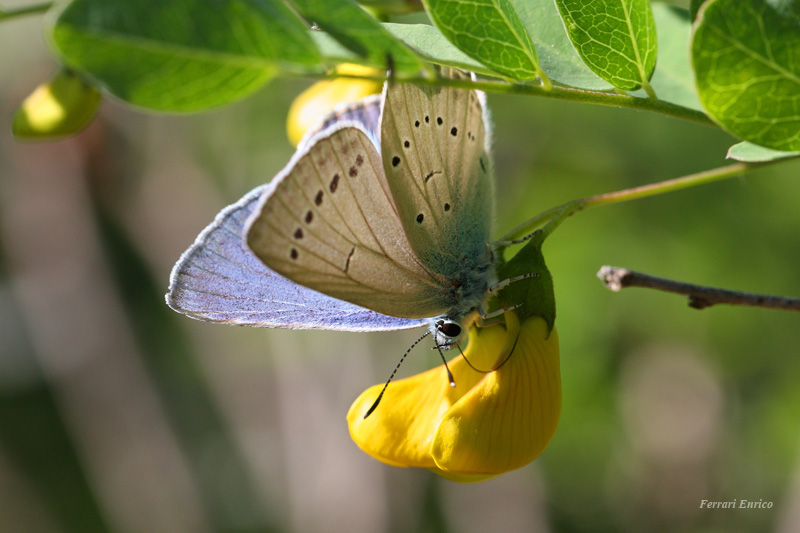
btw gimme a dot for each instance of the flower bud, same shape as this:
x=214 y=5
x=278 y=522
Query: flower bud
x=314 y=103
x=62 y=106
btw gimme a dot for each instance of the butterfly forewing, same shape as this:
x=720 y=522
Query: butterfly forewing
x=434 y=152
x=330 y=225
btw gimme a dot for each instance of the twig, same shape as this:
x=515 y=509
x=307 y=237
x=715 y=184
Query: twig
x=700 y=297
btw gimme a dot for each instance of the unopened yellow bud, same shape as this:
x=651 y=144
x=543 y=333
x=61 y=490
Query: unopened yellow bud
x=62 y=106
x=314 y=103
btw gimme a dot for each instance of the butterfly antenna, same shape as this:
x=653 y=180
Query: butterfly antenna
x=496 y=367
x=449 y=374
x=508 y=356
x=380 y=396
x=470 y=364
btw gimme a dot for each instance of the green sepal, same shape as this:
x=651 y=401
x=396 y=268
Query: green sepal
x=535 y=294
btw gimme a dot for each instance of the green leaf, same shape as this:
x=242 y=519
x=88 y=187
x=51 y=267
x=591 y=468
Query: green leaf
x=536 y=294
x=616 y=38
x=180 y=56
x=359 y=32
x=746 y=56
x=429 y=42
x=333 y=52
x=753 y=153
x=392 y=7
x=673 y=80
x=557 y=56
x=694 y=6
x=489 y=31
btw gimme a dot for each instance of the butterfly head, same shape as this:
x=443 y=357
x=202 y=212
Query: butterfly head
x=446 y=332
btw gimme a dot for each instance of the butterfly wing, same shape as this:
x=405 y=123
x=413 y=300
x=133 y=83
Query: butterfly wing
x=329 y=224
x=219 y=279
x=435 y=151
x=365 y=112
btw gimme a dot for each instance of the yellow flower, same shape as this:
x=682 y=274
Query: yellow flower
x=319 y=99
x=487 y=424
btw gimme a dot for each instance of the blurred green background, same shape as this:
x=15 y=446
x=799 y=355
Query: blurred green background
x=118 y=414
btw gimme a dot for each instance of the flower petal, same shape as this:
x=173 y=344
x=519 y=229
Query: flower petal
x=400 y=431
x=461 y=478
x=507 y=419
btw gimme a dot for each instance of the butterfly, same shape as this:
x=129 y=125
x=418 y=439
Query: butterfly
x=380 y=221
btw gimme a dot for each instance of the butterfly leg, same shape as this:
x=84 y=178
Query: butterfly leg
x=484 y=317
x=503 y=284
x=517 y=241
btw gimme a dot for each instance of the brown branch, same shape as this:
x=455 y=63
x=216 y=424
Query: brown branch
x=700 y=297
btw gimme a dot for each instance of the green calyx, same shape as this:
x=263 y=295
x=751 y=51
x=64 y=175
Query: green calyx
x=535 y=293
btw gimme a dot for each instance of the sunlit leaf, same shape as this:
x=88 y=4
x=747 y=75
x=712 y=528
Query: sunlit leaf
x=180 y=56
x=359 y=32
x=333 y=52
x=753 y=153
x=746 y=56
x=489 y=31
x=395 y=7
x=694 y=6
x=615 y=38
x=673 y=80
x=429 y=42
x=557 y=56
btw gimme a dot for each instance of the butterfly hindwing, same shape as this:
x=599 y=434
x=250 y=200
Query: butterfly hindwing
x=434 y=149
x=219 y=279
x=329 y=224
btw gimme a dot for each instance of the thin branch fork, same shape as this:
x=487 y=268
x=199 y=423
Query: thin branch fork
x=700 y=297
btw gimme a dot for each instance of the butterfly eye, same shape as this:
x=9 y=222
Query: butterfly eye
x=451 y=329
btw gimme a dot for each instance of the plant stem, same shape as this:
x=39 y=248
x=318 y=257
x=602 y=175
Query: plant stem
x=676 y=184
x=553 y=217
x=557 y=92
x=30 y=10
